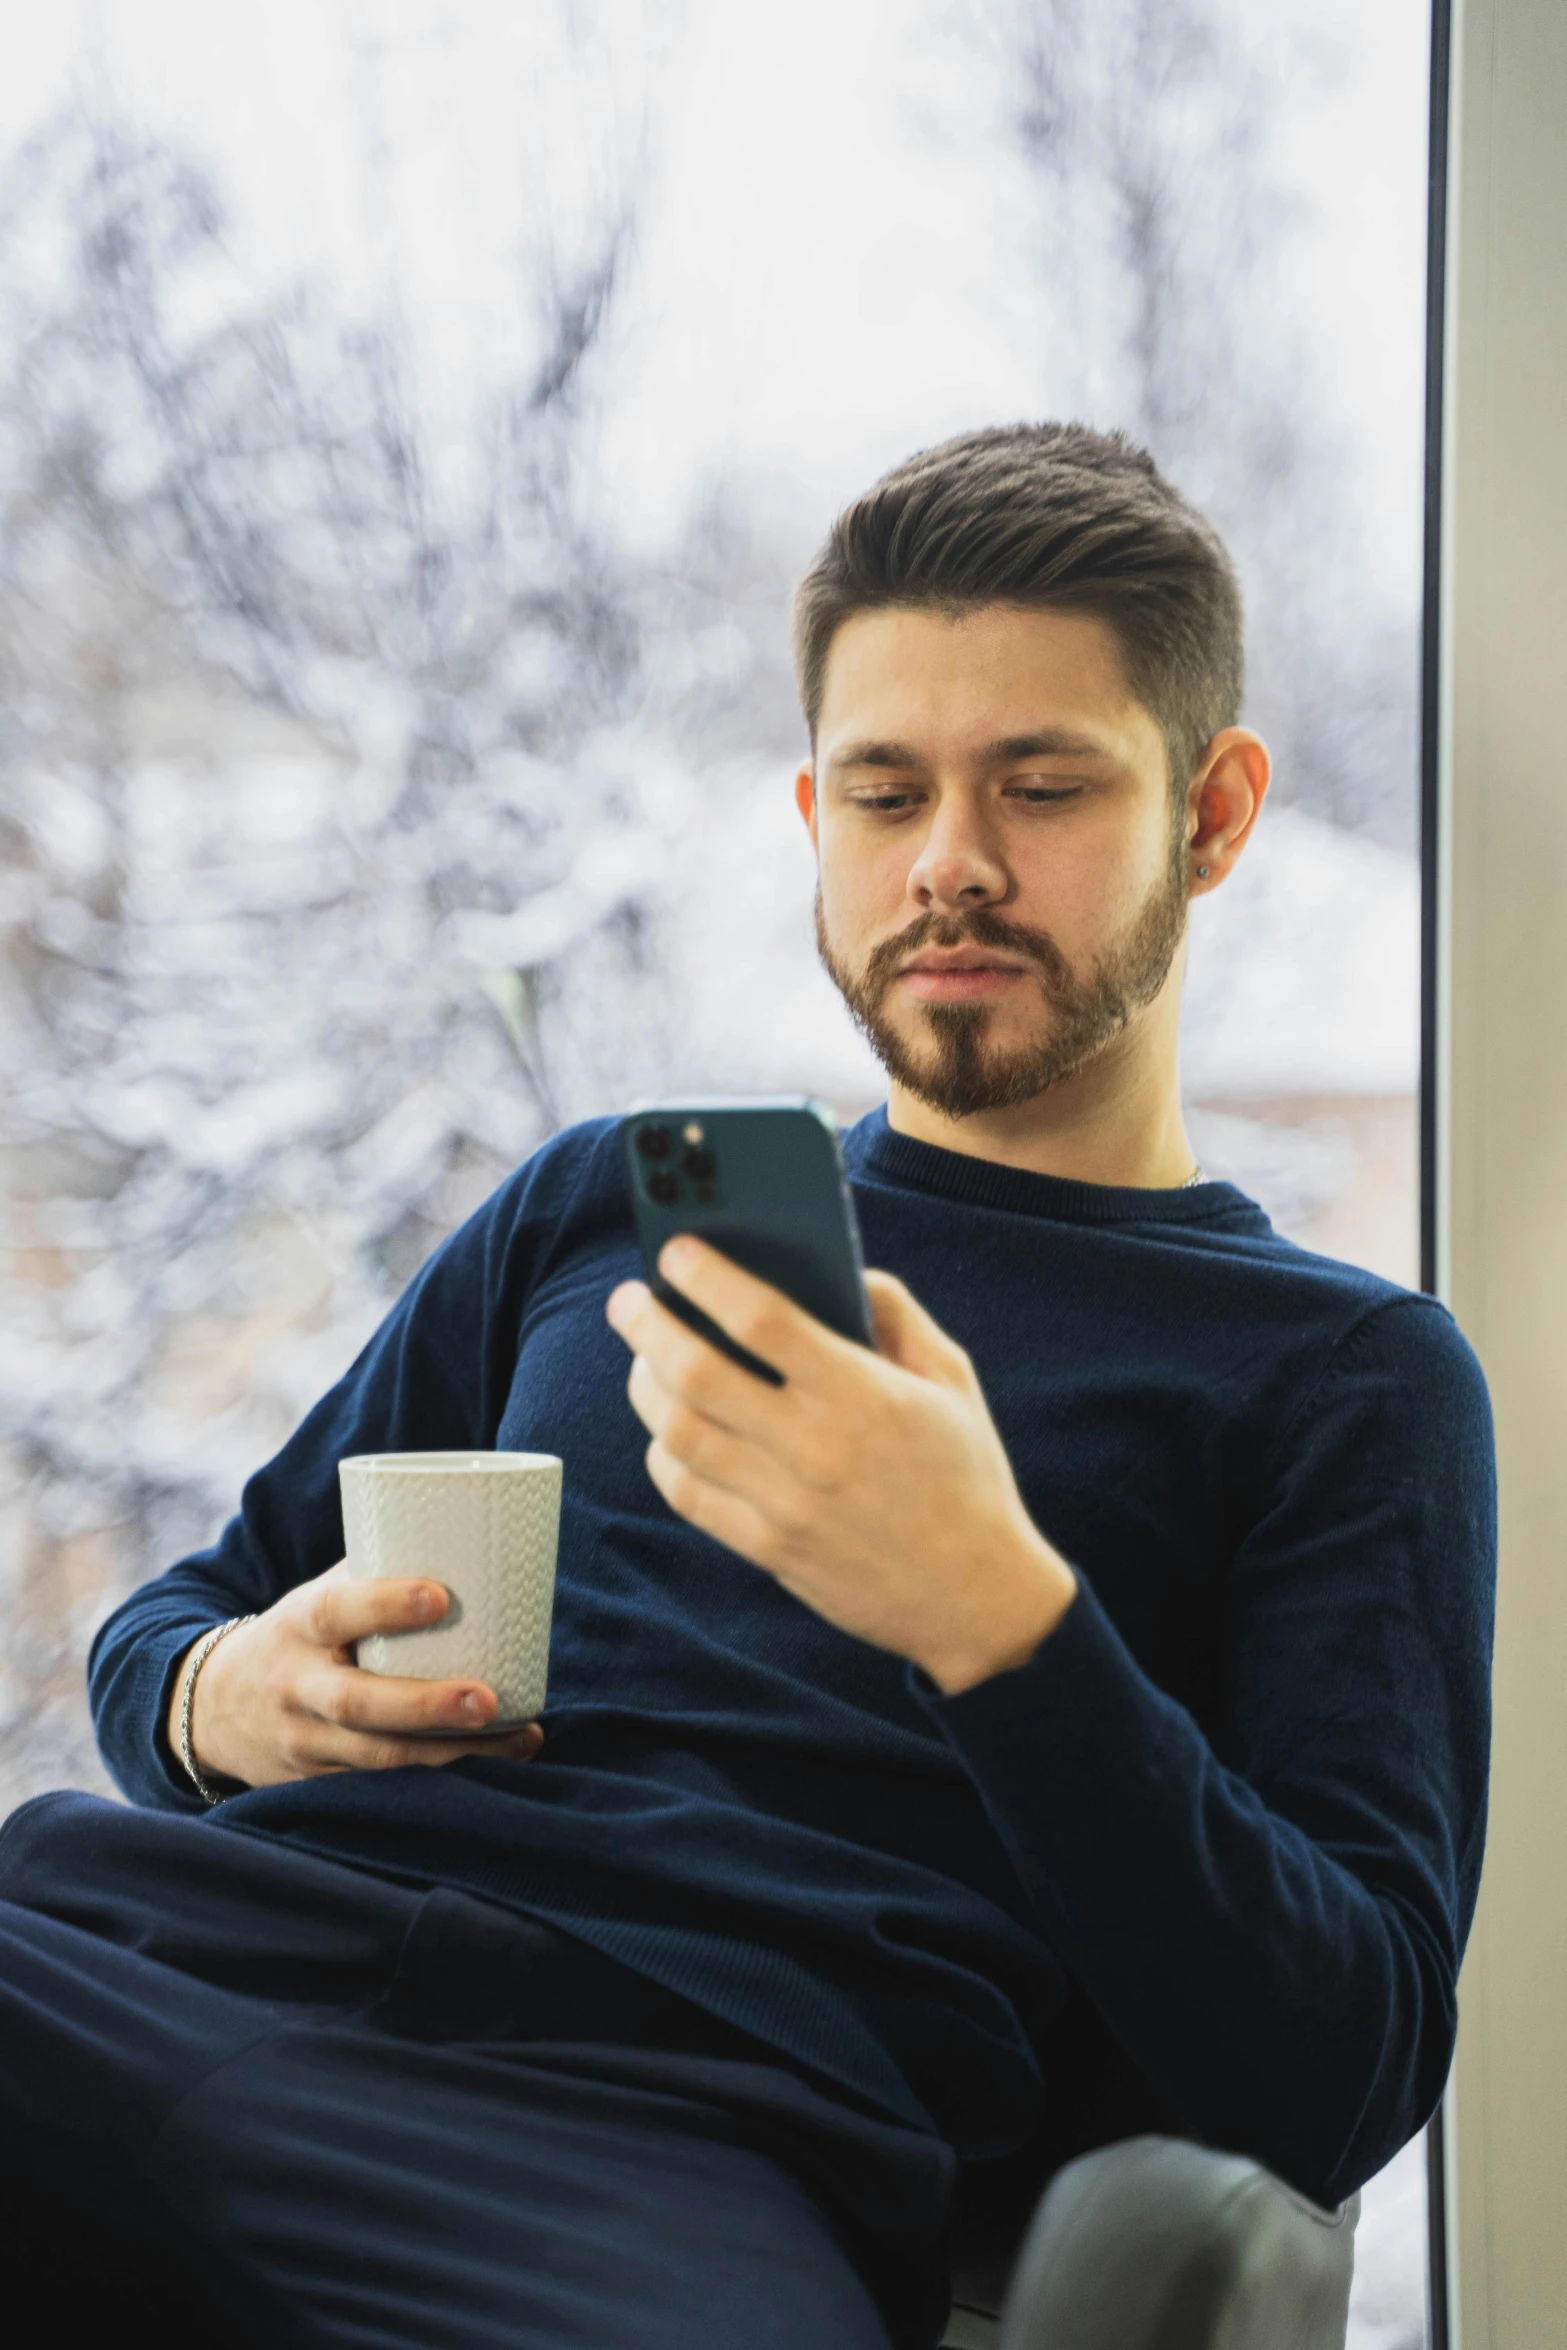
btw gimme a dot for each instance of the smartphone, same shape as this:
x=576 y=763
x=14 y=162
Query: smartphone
x=761 y=1179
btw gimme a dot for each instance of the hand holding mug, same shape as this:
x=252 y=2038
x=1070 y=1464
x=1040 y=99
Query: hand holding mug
x=282 y=1697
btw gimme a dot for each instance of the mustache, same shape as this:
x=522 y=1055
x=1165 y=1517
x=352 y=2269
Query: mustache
x=983 y=928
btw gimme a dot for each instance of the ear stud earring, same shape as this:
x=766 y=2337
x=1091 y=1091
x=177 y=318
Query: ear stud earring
x=1202 y=872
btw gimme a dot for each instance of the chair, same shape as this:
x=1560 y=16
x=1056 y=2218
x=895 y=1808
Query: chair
x=1157 y=2244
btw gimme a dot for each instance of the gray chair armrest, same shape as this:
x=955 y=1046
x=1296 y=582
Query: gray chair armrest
x=1156 y=2244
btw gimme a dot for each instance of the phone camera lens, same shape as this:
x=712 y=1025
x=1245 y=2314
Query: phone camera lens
x=653 y=1142
x=663 y=1187
x=701 y=1166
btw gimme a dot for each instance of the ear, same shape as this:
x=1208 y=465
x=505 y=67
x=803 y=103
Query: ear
x=1223 y=803
x=805 y=800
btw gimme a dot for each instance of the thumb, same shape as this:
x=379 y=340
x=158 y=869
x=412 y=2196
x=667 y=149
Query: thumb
x=908 y=1336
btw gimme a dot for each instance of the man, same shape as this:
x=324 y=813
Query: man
x=1067 y=1721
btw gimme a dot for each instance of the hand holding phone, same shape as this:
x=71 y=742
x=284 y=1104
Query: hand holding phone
x=870 y=1481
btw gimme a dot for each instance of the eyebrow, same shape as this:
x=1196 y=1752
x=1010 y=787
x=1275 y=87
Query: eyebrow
x=1050 y=742
x=874 y=754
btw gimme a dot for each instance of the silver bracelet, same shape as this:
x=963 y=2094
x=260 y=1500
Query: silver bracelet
x=198 y=1657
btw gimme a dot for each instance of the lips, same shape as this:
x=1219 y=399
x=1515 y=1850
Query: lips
x=958 y=978
x=944 y=964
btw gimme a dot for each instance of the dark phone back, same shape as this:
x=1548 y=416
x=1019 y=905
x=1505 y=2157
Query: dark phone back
x=763 y=1181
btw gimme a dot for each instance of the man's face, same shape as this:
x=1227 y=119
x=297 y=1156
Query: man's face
x=1002 y=866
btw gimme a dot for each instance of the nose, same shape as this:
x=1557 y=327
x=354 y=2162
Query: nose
x=958 y=867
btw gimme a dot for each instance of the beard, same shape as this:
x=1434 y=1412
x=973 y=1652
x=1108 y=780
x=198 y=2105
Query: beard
x=948 y=1063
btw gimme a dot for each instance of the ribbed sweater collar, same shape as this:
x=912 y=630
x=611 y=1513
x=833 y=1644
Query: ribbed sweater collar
x=872 y=1148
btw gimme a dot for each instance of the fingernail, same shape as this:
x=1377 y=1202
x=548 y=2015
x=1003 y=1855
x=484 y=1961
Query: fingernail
x=472 y=1704
x=678 y=1255
x=426 y=1601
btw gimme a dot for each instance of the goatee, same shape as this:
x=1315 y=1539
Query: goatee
x=948 y=1064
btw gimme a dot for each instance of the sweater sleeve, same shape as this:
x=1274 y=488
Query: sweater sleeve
x=435 y=1377
x=1270 y=1918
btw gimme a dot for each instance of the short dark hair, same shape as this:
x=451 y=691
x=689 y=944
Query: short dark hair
x=1050 y=515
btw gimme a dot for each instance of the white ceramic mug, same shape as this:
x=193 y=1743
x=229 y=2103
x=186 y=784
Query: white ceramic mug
x=487 y=1526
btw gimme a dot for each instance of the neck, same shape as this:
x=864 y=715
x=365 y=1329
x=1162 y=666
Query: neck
x=1118 y=1121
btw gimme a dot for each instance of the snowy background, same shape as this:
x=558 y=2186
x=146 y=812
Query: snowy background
x=412 y=418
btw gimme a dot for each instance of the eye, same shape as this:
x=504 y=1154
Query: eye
x=889 y=803
x=1043 y=795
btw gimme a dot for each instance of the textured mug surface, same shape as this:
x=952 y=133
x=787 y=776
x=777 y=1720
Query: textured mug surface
x=487 y=1525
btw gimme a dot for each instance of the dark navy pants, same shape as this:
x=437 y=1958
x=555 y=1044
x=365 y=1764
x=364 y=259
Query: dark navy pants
x=266 y=2099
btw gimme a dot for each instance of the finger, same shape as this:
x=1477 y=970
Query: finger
x=356 y=1607
x=696 y=1441
x=758 y=1316
x=728 y=1517
x=687 y=1366
x=389 y=1704
x=908 y=1336
x=358 y=1752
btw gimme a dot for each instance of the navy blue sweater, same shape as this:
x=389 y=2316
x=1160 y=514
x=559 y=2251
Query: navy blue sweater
x=1216 y=1842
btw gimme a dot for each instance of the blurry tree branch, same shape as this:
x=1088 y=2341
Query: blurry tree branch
x=301 y=747
x=1162 y=242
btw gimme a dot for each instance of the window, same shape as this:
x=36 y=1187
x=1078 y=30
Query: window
x=412 y=421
